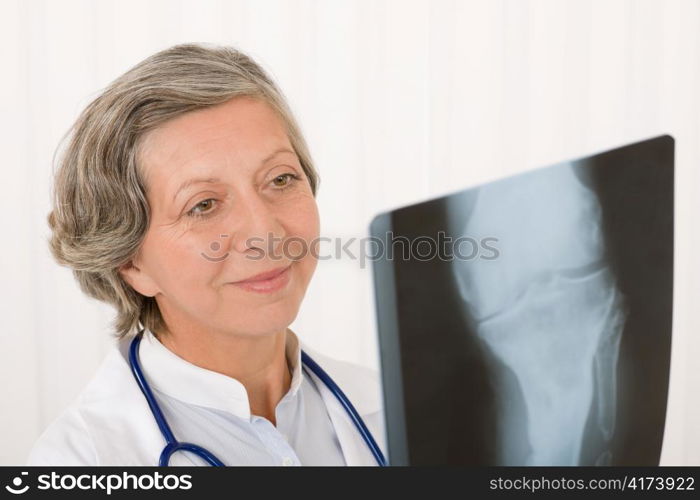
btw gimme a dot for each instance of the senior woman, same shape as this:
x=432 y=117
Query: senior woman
x=185 y=198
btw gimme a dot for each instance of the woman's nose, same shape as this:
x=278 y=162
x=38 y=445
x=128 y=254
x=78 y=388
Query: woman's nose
x=255 y=227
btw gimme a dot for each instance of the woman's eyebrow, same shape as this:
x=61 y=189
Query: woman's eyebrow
x=212 y=180
x=189 y=182
x=275 y=153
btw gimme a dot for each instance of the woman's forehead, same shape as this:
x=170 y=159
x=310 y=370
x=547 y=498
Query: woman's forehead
x=237 y=134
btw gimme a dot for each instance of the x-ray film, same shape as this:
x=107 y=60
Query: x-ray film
x=528 y=321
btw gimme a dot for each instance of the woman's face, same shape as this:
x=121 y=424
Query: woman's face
x=229 y=200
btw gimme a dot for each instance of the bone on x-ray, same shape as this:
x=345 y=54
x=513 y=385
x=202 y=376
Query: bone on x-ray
x=548 y=308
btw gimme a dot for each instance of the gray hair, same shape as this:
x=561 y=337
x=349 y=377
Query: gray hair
x=100 y=212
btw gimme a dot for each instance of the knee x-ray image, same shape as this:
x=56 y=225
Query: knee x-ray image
x=538 y=331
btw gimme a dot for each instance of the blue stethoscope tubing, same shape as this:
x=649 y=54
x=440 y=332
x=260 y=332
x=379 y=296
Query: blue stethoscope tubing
x=173 y=445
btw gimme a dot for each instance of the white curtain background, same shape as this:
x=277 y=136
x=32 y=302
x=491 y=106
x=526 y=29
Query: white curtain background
x=400 y=101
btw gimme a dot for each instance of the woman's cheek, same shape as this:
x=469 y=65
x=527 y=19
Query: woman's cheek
x=310 y=223
x=187 y=260
x=311 y=244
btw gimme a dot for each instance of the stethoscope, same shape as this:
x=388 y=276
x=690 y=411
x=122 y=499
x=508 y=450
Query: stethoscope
x=173 y=445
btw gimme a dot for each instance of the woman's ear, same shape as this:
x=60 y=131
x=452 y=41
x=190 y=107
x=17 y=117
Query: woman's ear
x=138 y=279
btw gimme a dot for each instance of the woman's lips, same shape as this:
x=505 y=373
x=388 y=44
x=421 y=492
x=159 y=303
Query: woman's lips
x=266 y=285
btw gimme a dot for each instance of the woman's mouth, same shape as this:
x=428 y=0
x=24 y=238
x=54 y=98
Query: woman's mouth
x=269 y=284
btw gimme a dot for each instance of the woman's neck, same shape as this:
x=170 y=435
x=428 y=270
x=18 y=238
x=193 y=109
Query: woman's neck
x=259 y=363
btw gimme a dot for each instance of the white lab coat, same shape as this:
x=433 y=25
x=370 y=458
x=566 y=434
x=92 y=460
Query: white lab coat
x=110 y=423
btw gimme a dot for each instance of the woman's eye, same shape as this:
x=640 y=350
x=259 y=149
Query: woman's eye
x=206 y=207
x=285 y=180
x=202 y=208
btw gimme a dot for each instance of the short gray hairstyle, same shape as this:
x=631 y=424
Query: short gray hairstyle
x=100 y=213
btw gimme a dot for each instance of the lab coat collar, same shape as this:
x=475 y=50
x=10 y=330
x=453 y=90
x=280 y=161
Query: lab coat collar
x=133 y=417
x=168 y=373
